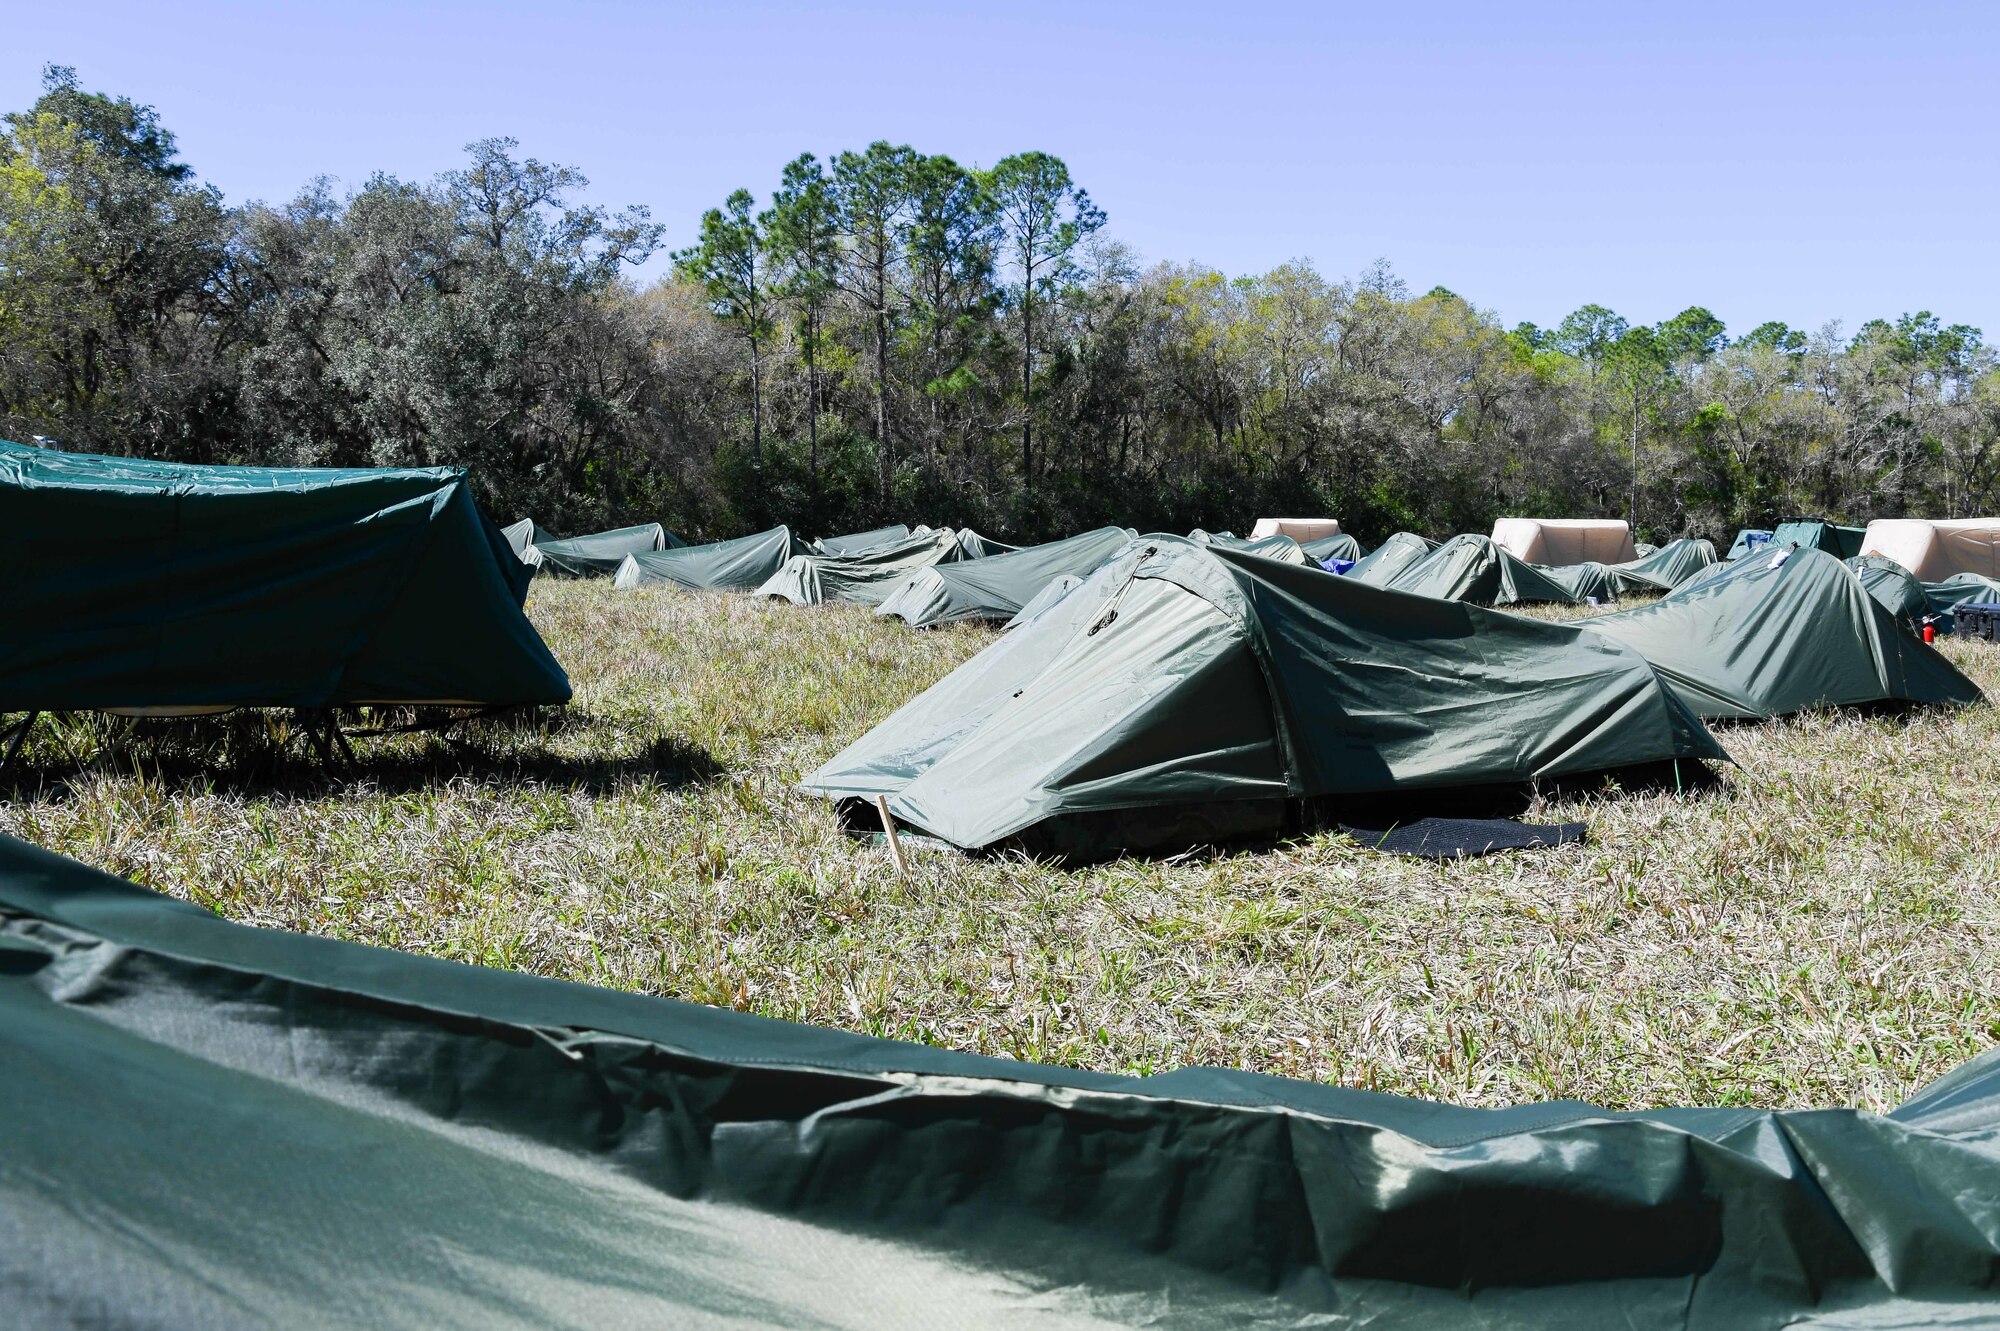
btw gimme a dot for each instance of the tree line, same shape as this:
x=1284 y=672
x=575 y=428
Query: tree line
x=890 y=336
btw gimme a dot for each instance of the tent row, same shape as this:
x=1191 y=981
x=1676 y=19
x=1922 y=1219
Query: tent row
x=1187 y=692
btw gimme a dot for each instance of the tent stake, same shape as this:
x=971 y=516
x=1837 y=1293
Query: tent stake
x=889 y=831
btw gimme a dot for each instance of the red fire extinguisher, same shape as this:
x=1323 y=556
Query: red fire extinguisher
x=1930 y=631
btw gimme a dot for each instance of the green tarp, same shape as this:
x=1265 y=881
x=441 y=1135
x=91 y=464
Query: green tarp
x=520 y=535
x=1054 y=591
x=155 y=585
x=1605 y=582
x=1472 y=568
x=1185 y=693
x=1380 y=566
x=599 y=554
x=1944 y=598
x=864 y=577
x=1781 y=631
x=217 y=1126
x=856 y=542
x=1340 y=545
x=998 y=586
x=1894 y=587
x=974 y=546
x=740 y=565
x=1812 y=534
x=1671 y=564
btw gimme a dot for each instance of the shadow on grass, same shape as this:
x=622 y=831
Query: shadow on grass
x=264 y=753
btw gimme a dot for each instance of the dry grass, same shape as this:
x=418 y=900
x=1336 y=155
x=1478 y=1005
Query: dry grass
x=1821 y=930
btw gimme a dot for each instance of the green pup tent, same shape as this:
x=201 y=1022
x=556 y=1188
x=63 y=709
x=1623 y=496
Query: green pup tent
x=600 y=554
x=168 y=588
x=1780 y=631
x=974 y=546
x=1477 y=570
x=1340 y=545
x=1672 y=564
x=1814 y=534
x=998 y=586
x=1186 y=694
x=1944 y=598
x=214 y=1125
x=1379 y=567
x=854 y=543
x=740 y=565
x=864 y=577
x=1894 y=587
x=520 y=535
x=1053 y=591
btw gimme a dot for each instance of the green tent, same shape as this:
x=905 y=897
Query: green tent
x=520 y=535
x=1894 y=587
x=997 y=587
x=1054 y=591
x=1474 y=569
x=1340 y=545
x=1380 y=566
x=1671 y=564
x=1944 y=598
x=862 y=578
x=974 y=546
x=855 y=543
x=740 y=565
x=1813 y=534
x=1782 y=631
x=1748 y=539
x=155 y=585
x=1186 y=694
x=214 y=1125
x=1605 y=582
x=599 y=554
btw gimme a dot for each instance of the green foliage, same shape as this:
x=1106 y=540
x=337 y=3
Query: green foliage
x=899 y=337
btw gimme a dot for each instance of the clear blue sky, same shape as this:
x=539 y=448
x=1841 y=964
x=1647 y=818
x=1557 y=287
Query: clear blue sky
x=1770 y=160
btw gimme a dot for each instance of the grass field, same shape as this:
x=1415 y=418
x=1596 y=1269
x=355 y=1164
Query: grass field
x=1823 y=929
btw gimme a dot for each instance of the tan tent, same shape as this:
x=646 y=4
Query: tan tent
x=1299 y=529
x=1556 y=542
x=1935 y=551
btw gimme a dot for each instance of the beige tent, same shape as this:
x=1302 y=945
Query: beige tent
x=1556 y=542
x=1299 y=529
x=1935 y=551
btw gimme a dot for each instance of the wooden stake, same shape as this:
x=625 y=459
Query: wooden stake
x=889 y=831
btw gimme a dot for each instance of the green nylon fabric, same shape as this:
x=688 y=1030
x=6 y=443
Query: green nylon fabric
x=1784 y=630
x=1894 y=587
x=855 y=543
x=974 y=546
x=865 y=577
x=1606 y=582
x=740 y=565
x=1671 y=564
x=1188 y=675
x=140 y=584
x=520 y=535
x=1340 y=545
x=1054 y=591
x=1380 y=566
x=218 y=1126
x=1472 y=568
x=599 y=555
x=1811 y=534
x=1745 y=543
x=998 y=586
x=1945 y=597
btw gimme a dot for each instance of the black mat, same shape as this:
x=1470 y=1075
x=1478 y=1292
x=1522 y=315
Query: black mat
x=1451 y=838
